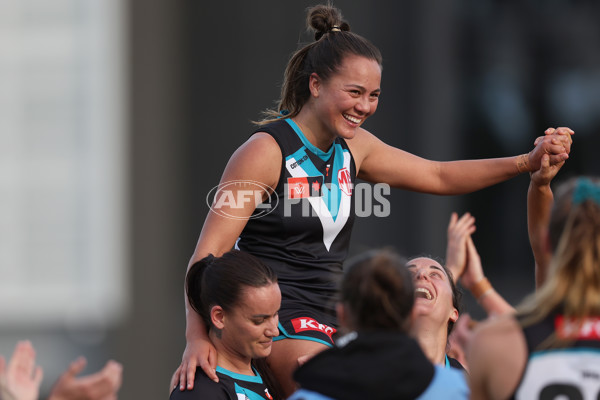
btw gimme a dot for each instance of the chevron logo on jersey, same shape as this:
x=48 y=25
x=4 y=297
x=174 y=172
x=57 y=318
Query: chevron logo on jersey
x=333 y=205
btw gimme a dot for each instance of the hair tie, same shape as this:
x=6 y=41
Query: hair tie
x=335 y=28
x=585 y=189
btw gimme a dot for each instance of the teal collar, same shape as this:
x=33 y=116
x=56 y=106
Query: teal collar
x=318 y=152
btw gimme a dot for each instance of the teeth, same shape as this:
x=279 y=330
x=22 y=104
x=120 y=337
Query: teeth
x=352 y=119
x=424 y=291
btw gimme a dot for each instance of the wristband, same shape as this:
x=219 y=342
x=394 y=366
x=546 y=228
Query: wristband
x=480 y=288
x=523 y=163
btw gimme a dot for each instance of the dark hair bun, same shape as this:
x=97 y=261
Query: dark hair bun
x=323 y=18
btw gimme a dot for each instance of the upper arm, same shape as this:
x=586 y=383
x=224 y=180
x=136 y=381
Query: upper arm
x=253 y=167
x=378 y=162
x=496 y=356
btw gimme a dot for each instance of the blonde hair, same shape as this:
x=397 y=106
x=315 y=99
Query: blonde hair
x=573 y=282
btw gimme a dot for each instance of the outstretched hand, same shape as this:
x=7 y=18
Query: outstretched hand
x=547 y=172
x=459 y=230
x=556 y=143
x=103 y=385
x=21 y=377
x=474 y=271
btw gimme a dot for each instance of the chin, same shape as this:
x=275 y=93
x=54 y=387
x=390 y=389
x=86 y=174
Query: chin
x=262 y=353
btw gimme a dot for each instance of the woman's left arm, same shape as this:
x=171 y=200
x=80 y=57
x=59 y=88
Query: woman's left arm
x=379 y=162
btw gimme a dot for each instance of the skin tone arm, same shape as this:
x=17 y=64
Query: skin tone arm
x=258 y=160
x=379 y=162
x=464 y=261
x=21 y=378
x=491 y=301
x=496 y=355
x=539 y=205
x=103 y=385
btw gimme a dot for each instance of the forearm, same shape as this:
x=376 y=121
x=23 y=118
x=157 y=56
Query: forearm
x=195 y=328
x=539 y=204
x=466 y=176
x=489 y=299
x=494 y=304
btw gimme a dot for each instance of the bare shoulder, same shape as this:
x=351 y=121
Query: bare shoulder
x=259 y=159
x=362 y=144
x=498 y=334
x=260 y=145
x=497 y=356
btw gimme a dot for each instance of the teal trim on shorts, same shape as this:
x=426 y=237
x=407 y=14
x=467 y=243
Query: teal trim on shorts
x=284 y=335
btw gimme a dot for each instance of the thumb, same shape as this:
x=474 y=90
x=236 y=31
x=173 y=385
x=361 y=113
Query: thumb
x=77 y=366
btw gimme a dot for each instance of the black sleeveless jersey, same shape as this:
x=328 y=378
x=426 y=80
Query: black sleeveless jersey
x=571 y=371
x=306 y=235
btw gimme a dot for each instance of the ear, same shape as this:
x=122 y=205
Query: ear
x=454 y=315
x=314 y=84
x=217 y=316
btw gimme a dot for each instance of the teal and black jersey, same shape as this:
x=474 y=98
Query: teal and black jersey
x=231 y=386
x=569 y=371
x=305 y=236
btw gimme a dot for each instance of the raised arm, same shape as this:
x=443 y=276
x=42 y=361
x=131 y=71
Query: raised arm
x=379 y=162
x=539 y=205
x=480 y=287
x=463 y=260
x=254 y=166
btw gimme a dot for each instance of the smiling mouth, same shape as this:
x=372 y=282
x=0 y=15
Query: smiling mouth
x=352 y=119
x=423 y=293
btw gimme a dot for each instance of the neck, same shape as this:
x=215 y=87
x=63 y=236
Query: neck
x=432 y=338
x=229 y=359
x=313 y=130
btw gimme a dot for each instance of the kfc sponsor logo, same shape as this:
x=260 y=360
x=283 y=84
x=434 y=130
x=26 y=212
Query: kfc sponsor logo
x=308 y=324
x=586 y=329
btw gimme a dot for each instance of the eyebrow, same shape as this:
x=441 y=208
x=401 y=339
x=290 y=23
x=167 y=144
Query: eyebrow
x=378 y=90
x=431 y=266
x=438 y=268
x=264 y=315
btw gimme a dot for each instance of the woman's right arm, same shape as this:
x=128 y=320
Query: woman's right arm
x=539 y=205
x=254 y=165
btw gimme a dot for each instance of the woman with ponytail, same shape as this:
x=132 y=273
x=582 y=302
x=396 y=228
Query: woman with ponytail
x=377 y=359
x=301 y=164
x=238 y=299
x=551 y=349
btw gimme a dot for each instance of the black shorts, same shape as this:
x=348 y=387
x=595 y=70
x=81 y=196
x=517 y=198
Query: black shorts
x=306 y=325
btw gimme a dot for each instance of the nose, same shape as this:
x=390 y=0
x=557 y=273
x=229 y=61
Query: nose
x=363 y=105
x=421 y=274
x=272 y=328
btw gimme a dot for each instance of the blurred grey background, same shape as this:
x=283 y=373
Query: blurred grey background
x=118 y=116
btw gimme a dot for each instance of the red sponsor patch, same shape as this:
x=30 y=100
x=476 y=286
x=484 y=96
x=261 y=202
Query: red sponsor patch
x=298 y=188
x=304 y=187
x=308 y=324
x=345 y=181
x=586 y=329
